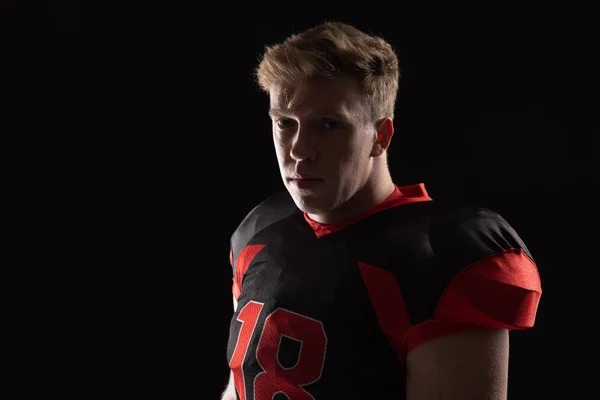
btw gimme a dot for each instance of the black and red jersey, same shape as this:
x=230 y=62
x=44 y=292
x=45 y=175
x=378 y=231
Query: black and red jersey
x=330 y=311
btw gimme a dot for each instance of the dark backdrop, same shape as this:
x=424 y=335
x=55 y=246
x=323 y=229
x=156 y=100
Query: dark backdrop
x=41 y=18
x=172 y=140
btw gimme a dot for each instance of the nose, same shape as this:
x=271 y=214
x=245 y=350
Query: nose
x=303 y=146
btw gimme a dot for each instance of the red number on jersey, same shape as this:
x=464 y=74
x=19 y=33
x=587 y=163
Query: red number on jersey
x=248 y=317
x=275 y=378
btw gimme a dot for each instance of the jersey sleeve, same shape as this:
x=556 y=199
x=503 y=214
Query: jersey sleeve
x=242 y=250
x=235 y=290
x=490 y=278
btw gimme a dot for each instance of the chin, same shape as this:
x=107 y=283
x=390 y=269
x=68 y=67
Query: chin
x=310 y=204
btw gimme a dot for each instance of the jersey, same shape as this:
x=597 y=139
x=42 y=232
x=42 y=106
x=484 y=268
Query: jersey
x=331 y=311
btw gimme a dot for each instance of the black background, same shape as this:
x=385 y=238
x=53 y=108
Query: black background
x=173 y=141
x=45 y=17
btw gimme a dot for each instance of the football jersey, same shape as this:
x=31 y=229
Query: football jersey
x=331 y=311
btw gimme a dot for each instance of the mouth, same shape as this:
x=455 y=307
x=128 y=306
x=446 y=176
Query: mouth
x=305 y=183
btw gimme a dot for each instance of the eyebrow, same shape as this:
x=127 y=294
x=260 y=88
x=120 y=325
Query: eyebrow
x=276 y=111
x=282 y=112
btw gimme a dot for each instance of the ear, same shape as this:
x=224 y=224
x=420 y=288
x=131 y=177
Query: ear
x=385 y=131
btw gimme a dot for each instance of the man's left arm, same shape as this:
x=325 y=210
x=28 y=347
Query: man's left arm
x=491 y=287
x=469 y=365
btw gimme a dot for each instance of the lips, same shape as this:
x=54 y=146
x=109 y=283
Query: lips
x=305 y=181
x=297 y=177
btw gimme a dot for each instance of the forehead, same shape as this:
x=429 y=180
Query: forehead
x=341 y=95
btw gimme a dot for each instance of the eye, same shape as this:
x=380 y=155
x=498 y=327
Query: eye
x=284 y=122
x=331 y=124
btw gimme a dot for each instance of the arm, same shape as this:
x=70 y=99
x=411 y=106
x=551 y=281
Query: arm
x=491 y=287
x=465 y=366
x=229 y=392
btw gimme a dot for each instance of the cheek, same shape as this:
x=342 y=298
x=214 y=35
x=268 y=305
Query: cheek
x=280 y=149
x=354 y=152
x=354 y=160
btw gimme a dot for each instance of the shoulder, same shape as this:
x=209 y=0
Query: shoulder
x=472 y=230
x=274 y=208
x=485 y=277
x=458 y=217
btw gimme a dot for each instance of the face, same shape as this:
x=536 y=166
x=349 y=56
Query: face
x=323 y=143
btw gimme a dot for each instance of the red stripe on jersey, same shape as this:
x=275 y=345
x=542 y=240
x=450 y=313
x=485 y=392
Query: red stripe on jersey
x=388 y=303
x=500 y=291
x=243 y=261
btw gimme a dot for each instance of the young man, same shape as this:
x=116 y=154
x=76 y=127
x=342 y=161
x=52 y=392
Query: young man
x=347 y=286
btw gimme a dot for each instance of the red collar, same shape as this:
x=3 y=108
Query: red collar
x=400 y=195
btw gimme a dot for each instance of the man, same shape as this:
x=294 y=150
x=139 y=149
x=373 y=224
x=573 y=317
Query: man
x=347 y=286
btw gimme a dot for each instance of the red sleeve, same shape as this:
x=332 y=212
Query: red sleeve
x=499 y=291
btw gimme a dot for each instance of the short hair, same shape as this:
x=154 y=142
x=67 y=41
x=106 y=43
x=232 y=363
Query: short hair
x=335 y=49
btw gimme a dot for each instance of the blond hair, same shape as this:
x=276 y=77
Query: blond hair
x=335 y=49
